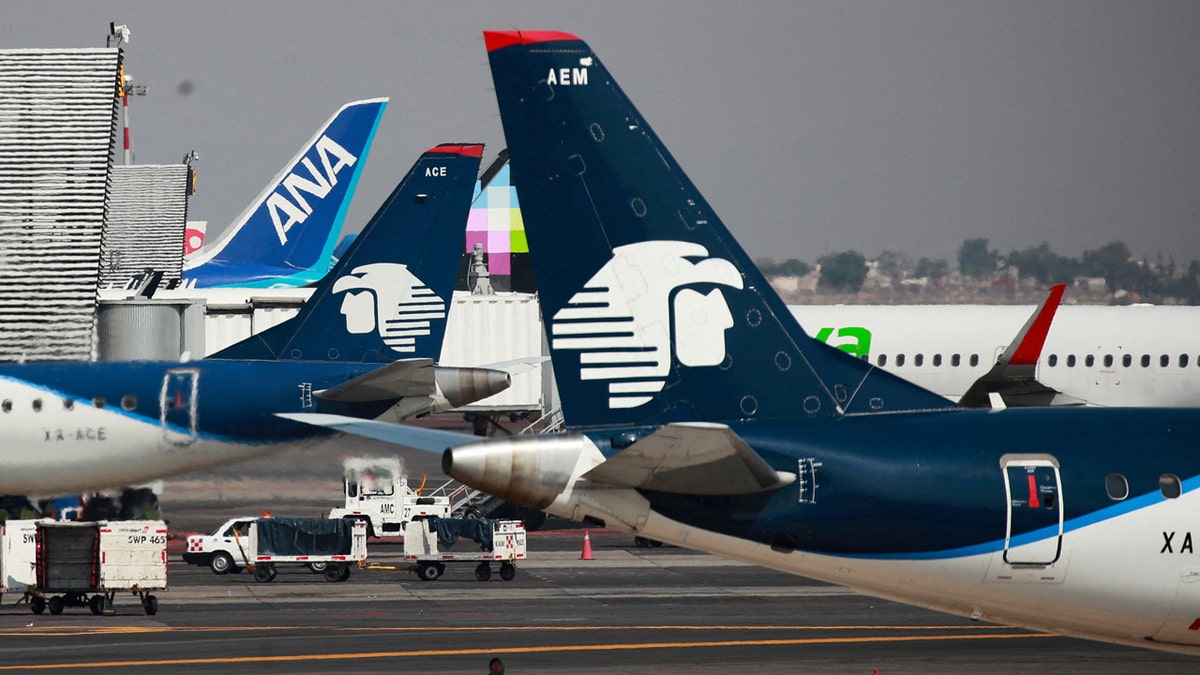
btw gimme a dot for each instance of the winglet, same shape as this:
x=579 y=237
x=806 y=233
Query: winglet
x=1013 y=379
x=1027 y=347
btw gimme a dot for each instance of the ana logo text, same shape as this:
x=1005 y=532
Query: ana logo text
x=623 y=319
x=392 y=302
x=287 y=206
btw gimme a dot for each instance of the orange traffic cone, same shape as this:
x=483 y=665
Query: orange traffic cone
x=587 y=547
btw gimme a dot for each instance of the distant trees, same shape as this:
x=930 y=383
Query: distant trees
x=843 y=271
x=1045 y=265
x=933 y=268
x=788 y=268
x=975 y=259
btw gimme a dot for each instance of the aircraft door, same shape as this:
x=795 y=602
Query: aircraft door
x=178 y=403
x=1033 y=534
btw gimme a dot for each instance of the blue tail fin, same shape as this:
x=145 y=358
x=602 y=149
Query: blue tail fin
x=286 y=236
x=654 y=313
x=387 y=297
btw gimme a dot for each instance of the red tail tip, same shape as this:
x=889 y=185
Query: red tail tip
x=499 y=39
x=466 y=150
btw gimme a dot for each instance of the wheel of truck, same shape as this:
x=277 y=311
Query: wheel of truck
x=150 y=604
x=37 y=604
x=508 y=571
x=97 y=604
x=56 y=605
x=483 y=571
x=221 y=563
x=318 y=567
x=264 y=573
x=428 y=572
x=333 y=572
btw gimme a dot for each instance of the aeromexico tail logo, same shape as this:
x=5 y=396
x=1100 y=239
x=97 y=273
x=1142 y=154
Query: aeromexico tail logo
x=387 y=299
x=623 y=320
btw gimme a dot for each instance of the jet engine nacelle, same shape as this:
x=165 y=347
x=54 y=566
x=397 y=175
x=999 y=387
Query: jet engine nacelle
x=460 y=386
x=528 y=470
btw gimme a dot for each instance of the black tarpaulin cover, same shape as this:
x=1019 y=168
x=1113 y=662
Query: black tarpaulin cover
x=303 y=536
x=450 y=529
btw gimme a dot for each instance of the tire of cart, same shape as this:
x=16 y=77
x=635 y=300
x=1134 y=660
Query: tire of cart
x=150 y=604
x=483 y=571
x=37 y=604
x=430 y=571
x=97 y=604
x=508 y=571
x=56 y=605
x=336 y=572
x=265 y=573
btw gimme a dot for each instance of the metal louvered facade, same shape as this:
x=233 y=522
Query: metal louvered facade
x=147 y=215
x=58 y=121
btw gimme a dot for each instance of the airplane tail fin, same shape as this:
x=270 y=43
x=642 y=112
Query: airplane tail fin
x=388 y=296
x=286 y=236
x=654 y=313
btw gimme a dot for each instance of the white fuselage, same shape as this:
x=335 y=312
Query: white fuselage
x=54 y=447
x=1109 y=356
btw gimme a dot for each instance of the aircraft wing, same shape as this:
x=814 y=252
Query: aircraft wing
x=398 y=379
x=692 y=458
x=1014 y=377
x=419 y=438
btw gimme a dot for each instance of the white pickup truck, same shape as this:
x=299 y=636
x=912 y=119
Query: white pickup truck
x=218 y=550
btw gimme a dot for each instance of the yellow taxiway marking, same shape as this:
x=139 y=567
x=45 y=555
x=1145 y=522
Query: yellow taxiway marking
x=57 y=631
x=527 y=650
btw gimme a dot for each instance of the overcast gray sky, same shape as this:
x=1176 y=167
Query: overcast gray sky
x=811 y=127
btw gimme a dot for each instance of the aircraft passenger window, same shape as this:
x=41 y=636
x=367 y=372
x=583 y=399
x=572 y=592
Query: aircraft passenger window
x=937 y=359
x=1127 y=360
x=1183 y=360
x=1052 y=360
x=1089 y=360
x=1116 y=486
x=98 y=401
x=974 y=360
x=899 y=360
x=37 y=405
x=1146 y=360
x=129 y=402
x=1164 y=361
x=68 y=404
x=883 y=359
x=1168 y=484
x=1108 y=360
x=1070 y=360
x=919 y=360
x=6 y=406
x=955 y=360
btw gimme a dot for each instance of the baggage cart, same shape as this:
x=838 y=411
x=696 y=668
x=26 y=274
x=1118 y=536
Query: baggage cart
x=86 y=564
x=270 y=543
x=426 y=544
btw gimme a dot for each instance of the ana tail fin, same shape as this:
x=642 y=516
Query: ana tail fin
x=388 y=296
x=654 y=312
x=287 y=235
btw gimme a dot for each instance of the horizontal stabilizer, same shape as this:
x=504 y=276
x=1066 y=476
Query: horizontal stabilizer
x=418 y=438
x=693 y=458
x=399 y=379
